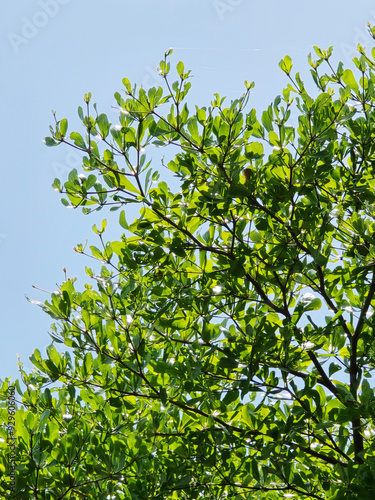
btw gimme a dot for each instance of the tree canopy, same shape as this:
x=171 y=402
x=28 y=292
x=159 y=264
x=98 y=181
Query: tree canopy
x=224 y=345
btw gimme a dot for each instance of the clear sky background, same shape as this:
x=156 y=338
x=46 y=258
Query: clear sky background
x=53 y=51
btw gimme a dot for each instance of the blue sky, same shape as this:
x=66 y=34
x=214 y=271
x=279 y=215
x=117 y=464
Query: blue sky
x=53 y=51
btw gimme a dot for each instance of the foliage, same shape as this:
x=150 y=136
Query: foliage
x=196 y=364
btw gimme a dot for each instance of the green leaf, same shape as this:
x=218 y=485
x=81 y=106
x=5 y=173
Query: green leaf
x=255 y=150
x=255 y=236
x=78 y=140
x=122 y=220
x=46 y=308
x=48 y=141
x=103 y=125
x=286 y=65
x=319 y=259
x=267 y=120
x=180 y=68
x=349 y=80
x=63 y=127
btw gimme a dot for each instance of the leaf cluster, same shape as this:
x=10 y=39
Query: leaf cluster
x=197 y=364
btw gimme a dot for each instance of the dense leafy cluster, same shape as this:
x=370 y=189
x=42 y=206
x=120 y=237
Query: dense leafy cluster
x=196 y=365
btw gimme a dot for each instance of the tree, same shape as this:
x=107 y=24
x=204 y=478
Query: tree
x=225 y=345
